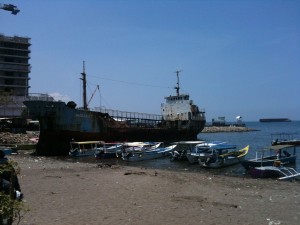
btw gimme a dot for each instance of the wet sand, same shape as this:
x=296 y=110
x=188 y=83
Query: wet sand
x=62 y=192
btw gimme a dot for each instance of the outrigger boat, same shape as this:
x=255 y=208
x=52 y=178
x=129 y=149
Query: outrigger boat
x=286 y=154
x=182 y=148
x=84 y=148
x=275 y=171
x=98 y=149
x=217 y=158
x=285 y=139
x=139 y=154
x=200 y=149
x=109 y=150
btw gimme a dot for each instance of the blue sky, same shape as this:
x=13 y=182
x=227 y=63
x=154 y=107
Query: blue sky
x=237 y=57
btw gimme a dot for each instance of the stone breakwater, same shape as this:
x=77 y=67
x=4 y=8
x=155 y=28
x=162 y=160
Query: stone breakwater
x=214 y=129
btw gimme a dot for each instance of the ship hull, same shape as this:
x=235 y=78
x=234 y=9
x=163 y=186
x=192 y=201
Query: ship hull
x=60 y=124
x=58 y=142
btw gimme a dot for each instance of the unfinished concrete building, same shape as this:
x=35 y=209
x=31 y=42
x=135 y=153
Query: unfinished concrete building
x=14 y=74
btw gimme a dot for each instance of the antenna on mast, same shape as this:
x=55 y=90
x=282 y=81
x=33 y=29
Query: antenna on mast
x=177 y=87
x=84 y=86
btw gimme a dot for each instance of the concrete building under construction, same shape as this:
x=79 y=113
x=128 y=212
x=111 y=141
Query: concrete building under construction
x=14 y=74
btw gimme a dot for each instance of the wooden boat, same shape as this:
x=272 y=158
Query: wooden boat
x=182 y=148
x=84 y=148
x=108 y=150
x=98 y=149
x=222 y=157
x=286 y=154
x=275 y=171
x=285 y=139
x=139 y=154
x=200 y=149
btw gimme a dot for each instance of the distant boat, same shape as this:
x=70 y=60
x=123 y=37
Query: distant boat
x=267 y=120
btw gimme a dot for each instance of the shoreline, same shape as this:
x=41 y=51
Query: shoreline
x=65 y=192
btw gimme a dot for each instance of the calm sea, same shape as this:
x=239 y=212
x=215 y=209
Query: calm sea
x=256 y=139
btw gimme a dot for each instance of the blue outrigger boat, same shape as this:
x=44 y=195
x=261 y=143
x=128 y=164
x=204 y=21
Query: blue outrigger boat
x=286 y=154
x=202 y=148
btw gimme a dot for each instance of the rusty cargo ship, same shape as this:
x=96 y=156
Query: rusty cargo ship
x=62 y=122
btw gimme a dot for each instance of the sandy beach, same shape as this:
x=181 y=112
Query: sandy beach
x=64 y=192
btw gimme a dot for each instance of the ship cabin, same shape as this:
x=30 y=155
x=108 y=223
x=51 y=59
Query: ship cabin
x=180 y=107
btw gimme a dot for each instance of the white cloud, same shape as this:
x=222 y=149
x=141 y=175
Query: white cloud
x=60 y=97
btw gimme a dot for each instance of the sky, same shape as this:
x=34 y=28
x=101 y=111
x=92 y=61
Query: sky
x=236 y=57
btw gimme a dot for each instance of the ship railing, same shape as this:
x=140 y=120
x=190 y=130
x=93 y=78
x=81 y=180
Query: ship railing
x=133 y=118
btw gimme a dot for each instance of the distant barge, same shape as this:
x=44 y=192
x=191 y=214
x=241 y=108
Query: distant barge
x=275 y=120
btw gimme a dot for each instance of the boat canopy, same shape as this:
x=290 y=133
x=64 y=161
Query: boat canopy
x=279 y=147
x=86 y=142
x=275 y=148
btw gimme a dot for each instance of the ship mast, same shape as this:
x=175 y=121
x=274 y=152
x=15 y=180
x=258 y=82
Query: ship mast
x=177 y=87
x=84 y=86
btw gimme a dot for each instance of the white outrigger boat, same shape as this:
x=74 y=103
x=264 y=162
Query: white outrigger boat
x=182 y=148
x=202 y=148
x=98 y=149
x=217 y=158
x=137 y=153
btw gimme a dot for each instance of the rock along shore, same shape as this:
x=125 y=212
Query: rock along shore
x=215 y=129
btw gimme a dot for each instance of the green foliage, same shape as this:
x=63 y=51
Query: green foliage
x=10 y=208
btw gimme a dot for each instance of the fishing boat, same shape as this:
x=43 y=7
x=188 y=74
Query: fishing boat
x=136 y=147
x=284 y=139
x=217 y=158
x=180 y=119
x=98 y=149
x=109 y=150
x=286 y=154
x=274 y=171
x=140 y=154
x=182 y=148
x=84 y=148
x=200 y=149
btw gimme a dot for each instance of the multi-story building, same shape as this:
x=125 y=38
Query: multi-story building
x=14 y=74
